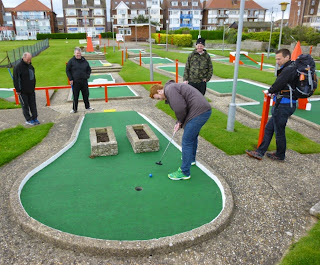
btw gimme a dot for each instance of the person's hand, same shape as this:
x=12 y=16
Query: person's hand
x=71 y=82
x=267 y=93
x=177 y=127
x=186 y=82
x=18 y=93
x=204 y=80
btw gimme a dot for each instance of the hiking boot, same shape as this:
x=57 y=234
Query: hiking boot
x=273 y=156
x=90 y=109
x=36 y=122
x=31 y=122
x=254 y=154
x=73 y=111
x=178 y=175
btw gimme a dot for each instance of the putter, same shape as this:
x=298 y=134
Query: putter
x=159 y=163
x=21 y=100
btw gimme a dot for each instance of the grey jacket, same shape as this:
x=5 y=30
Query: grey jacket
x=185 y=100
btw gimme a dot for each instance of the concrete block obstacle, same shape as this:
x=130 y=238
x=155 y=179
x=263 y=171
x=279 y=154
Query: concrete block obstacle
x=103 y=142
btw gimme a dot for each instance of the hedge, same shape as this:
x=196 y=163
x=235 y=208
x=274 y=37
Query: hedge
x=206 y=34
x=43 y=36
x=184 y=40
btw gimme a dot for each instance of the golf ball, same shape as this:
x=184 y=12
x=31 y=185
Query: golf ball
x=150 y=175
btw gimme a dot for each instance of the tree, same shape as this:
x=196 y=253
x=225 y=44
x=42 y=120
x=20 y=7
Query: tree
x=141 y=20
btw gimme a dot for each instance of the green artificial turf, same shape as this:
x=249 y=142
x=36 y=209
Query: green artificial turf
x=306 y=251
x=16 y=141
x=97 y=197
x=113 y=92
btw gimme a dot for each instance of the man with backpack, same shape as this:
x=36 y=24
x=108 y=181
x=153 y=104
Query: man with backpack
x=284 y=107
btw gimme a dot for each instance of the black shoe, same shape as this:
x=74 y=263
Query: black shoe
x=254 y=154
x=273 y=156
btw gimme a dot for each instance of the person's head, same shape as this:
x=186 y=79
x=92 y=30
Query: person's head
x=26 y=57
x=283 y=56
x=157 y=92
x=77 y=53
x=200 y=45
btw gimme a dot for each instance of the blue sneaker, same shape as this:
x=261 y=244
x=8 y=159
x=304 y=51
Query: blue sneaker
x=31 y=122
x=178 y=175
x=36 y=122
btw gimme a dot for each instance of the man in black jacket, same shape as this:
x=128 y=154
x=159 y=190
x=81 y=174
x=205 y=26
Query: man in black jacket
x=281 y=111
x=24 y=81
x=78 y=71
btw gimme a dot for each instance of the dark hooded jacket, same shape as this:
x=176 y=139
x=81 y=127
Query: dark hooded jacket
x=78 y=69
x=24 y=78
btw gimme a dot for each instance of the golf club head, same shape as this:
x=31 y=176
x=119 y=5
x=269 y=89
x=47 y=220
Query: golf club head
x=159 y=163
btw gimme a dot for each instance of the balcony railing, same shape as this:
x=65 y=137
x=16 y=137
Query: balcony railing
x=183 y=25
x=182 y=16
x=222 y=15
x=252 y=16
x=31 y=17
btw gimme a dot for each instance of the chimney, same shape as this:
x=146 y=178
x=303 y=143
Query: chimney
x=51 y=6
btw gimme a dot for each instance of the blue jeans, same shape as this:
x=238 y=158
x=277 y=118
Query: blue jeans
x=277 y=124
x=190 y=140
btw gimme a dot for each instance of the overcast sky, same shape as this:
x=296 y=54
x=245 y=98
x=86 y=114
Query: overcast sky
x=268 y=4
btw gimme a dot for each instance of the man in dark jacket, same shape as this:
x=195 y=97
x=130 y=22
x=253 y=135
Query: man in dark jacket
x=78 y=71
x=24 y=81
x=198 y=70
x=192 y=111
x=281 y=111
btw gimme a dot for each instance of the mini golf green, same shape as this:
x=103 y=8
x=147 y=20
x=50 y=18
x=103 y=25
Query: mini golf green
x=97 y=197
x=6 y=93
x=108 y=77
x=155 y=60
x=113 y=92
x=136 y=51
x=172 y=69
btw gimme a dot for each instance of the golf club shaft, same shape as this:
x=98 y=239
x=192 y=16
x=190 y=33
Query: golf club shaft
x=168 y=145
x=21 y=100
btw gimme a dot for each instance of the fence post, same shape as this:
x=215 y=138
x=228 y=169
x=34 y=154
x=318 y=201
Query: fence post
x=177 y=71
x=261 y=67
x=106 y=93
x=47 y=97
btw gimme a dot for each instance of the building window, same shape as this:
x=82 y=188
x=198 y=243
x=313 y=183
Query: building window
x=311 y=11
x=71 y=12
x=141 y=12
x=126 y=32
x=155 y=2
x=122 y=12
x=97 y=2
x=210 y=12
x=98 y=21
x=84 y=2
x=134 y=12
x=196 y=13
x=154 y=11
x=313 y=2
x=184 y=3
x=70 y=2
x=174 y=3
x=194 y=3
x=299 y=3
x=71 y=21
x=97 y=12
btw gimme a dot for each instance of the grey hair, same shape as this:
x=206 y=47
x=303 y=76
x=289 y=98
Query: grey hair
x=77 y=49
x=25 y=54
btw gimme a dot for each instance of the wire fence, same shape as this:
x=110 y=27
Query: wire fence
x=13 y=57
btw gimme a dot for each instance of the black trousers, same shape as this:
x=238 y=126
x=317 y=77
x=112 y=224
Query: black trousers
x=80 y=85
x=28 y=104
x=202 y=86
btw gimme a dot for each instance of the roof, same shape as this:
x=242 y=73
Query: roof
x=230 y=4
x=31 y=5
x=131 y=4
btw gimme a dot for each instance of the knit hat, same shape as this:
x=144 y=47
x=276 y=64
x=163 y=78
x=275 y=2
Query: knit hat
x=201 y=41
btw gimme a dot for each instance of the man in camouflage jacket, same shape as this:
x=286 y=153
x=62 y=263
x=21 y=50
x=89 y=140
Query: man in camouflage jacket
x=198 y=70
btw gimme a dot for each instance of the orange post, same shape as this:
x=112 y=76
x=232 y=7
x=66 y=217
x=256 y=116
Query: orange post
x=47 y=97
x=122 y=58
x=264 y=117
x=106 y=93
x=118 y=45
x=16 y=96
x=99 y=39
x=140 y=57
x=261 y=67
x=105 y=50
x=89 y=45
x=310 y=50
x=177 y=71
x=159 y=38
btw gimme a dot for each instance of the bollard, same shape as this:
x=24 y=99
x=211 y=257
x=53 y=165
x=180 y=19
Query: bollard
x=177 y=71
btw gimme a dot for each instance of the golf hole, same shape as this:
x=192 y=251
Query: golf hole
x=138 y=188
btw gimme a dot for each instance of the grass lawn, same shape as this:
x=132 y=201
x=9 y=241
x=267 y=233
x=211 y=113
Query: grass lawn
x=4 y=104
x=306 y=251
x=49 y=65
x=16 y=141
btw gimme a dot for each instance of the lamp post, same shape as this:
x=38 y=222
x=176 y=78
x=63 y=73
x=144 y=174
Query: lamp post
x=167 y=21
x=124 y=42
x=283 y=9
x=151 y=65
x=112 y=20
x=270 y=33
x=224 y=29
x=199 y=36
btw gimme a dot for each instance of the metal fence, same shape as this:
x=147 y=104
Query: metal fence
x=13 y=57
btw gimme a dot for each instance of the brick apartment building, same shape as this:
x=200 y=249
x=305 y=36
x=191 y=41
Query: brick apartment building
x=305 y=12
